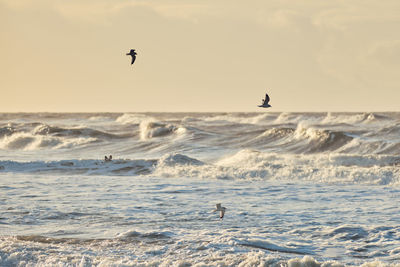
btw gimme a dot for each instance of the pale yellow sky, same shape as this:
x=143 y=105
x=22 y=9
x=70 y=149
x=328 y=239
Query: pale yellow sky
x=204 y=55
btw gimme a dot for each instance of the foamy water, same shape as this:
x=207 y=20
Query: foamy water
x=301 y=189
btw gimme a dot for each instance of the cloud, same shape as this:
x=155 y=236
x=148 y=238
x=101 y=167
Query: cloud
x=343 y=15
x=281 y=18
x=102 y=10
x=359 y=47
x=303 y=47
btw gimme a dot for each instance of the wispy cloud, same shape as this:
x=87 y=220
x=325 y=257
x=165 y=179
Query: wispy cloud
x=297 y=46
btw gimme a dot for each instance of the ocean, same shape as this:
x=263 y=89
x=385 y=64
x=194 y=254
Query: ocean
x=300 y=189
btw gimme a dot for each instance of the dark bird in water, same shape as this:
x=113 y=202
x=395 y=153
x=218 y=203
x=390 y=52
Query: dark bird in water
x=133 y=54
x=265 y=102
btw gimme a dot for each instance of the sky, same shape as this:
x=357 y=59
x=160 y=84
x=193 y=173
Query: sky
x=199 y=55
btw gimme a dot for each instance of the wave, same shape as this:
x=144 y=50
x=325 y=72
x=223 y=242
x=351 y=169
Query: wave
x=294 y=118
x=33 y=136
x=243 y=165
x=6 y=130
x=149 y=129
x=346 y=232
x=88 y=167
x=389 y=131
x=303 y=139
x=242 y=118
x=321 y=140
x=262 y=244
x=350 y=118
x=178 y=159
x=133 y=118
x=209 y=135
x=99 y=167
x=133 y=235
x=44 y=129
x=330 y=118
x=155 y=249
x=29 y=141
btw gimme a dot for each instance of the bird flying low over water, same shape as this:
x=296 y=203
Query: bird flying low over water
x=265 y=102
x=133 y=54
x=221 y=210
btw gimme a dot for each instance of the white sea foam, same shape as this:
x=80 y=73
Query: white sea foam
x=296 y=118
x=149 y=249
x=301 y=189
x=100 y=253
x=305 y=130
x=133 y=118
x=28 y=141
x=244 y=165
x=240 y=118
x=100 y=119
x=350 y=119
x=283 y=133
x=308 y=261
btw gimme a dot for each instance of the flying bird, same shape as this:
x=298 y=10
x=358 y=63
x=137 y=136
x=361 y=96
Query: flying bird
x=133 y=54
x=221 y=210
x=265 y=102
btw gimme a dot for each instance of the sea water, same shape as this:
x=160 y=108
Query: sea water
x=300 y=189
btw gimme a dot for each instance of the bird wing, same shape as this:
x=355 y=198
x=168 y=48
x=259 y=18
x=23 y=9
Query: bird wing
x=266 y=99
x=218 y=206
x=133 y=59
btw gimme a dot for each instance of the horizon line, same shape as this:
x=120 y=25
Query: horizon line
x=268 y=111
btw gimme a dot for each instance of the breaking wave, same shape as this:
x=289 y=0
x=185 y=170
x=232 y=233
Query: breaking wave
x=44 y=129
x=149 y=129
x=293 y=133
x=29 y=141
x=320 y=147
x=33 y=136
x=301 y=139
x=243 y=165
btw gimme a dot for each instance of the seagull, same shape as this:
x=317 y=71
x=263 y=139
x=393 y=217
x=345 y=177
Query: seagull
x=221 y=210
x=133 y=54
x=265 y=102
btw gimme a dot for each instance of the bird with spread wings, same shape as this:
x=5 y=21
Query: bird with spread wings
x=133 y=54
